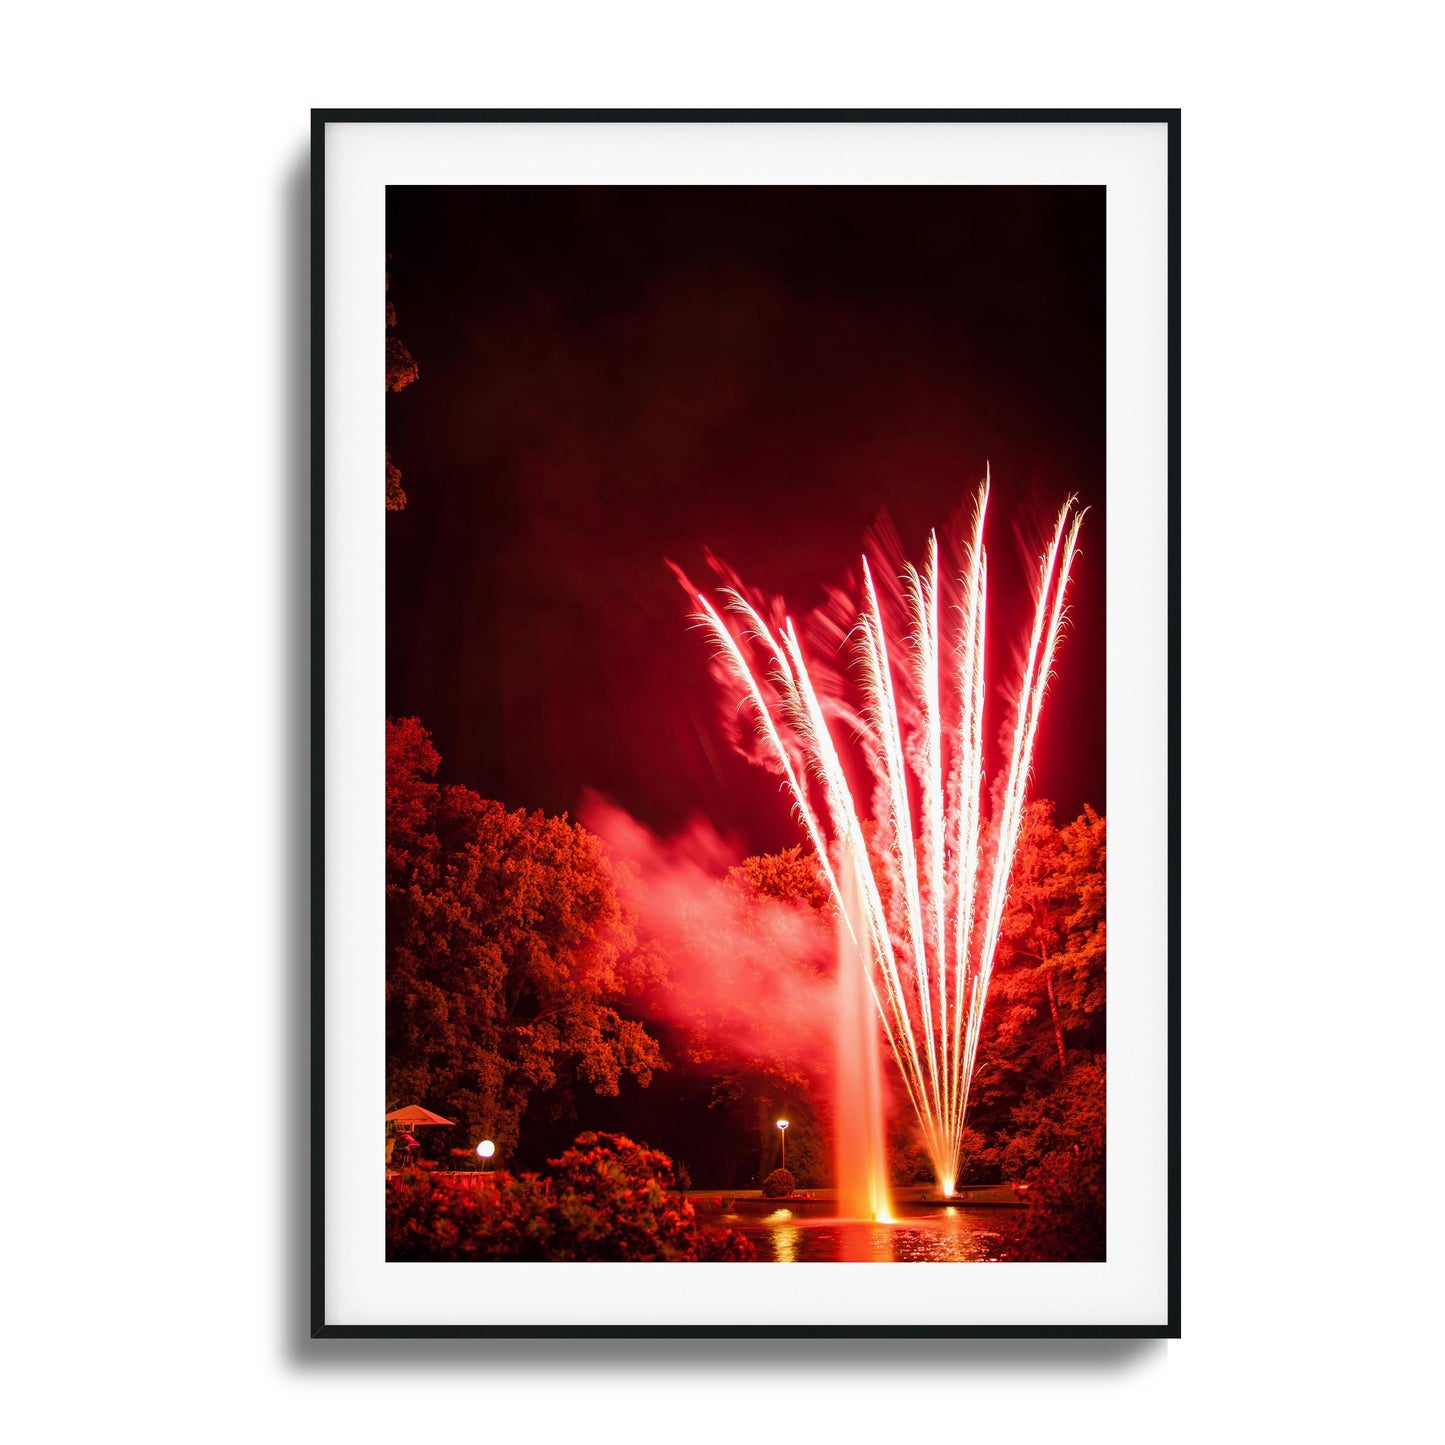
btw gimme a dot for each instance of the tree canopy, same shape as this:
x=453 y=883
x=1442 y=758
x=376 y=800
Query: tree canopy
x=508 y=952
x=1047 y=995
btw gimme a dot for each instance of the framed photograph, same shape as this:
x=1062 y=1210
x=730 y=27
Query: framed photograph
x=746 y=838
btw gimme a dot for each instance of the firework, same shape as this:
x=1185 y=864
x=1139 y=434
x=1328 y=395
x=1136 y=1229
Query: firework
x=918 y=870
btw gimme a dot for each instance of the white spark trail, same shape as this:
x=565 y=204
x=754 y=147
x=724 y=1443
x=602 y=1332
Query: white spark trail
x=932 y=917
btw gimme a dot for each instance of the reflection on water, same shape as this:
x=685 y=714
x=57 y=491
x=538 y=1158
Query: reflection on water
x=951 y=1234
x=783 y=1234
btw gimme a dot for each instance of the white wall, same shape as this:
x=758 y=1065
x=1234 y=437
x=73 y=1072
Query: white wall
x=155 y=879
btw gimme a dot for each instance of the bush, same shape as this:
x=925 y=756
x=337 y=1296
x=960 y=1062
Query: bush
x=608 y=1199
x=779 y=1185
x=1065 y=1220
x=497 y=1217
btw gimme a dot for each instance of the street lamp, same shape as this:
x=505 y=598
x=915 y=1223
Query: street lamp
x=486 y=1149
x=783 y=1135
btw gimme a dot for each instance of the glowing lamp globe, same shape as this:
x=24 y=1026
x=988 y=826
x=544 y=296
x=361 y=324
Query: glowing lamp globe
x=486 y=1148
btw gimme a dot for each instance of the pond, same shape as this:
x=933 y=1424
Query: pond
x=792 y=1232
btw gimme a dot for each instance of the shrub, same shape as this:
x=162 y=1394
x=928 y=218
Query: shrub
x=608 y=1199
x=779 y=1185
x=1065 y=1219
x=615 y=1200
x=497 y=1217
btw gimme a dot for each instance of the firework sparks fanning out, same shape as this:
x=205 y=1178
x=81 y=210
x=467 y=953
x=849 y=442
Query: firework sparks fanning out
x=931 y=873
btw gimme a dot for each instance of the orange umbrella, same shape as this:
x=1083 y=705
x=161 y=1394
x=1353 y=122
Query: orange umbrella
x=414 y=1116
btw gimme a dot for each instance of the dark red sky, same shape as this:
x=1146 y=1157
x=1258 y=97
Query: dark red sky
x=613 y=377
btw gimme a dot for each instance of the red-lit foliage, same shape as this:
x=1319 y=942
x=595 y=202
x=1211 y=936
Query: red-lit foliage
x=779 y=1184
x=1063 y=1135
x=499 y=1217
x=608 y=1198
x=1046 y=1009
x=508 y=952
x=1053 y=948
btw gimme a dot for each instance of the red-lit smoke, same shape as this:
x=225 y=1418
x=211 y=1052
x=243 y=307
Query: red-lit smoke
x=750 y=977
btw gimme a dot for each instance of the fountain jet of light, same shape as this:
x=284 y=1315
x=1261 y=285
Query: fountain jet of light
x=860 y=1153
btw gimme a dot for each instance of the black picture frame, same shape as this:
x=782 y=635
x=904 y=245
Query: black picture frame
x=320 y=1328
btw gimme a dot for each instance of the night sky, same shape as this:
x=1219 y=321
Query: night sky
x=610 y=378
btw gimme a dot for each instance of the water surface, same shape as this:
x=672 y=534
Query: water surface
x=789 y=1234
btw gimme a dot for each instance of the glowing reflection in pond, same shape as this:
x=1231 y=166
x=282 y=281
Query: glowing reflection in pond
x=932 y=1235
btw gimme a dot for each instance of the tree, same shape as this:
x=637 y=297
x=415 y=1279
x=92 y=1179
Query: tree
x=1039 y=1090
x=401 y=371
x=1041 y=1056
x=1046 y=998
x=791 y=876
x=1059 y=1152
x=508 y=953
x=1068 y=1118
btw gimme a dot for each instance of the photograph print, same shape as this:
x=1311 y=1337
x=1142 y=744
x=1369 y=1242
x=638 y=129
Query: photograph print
x=745 y=740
